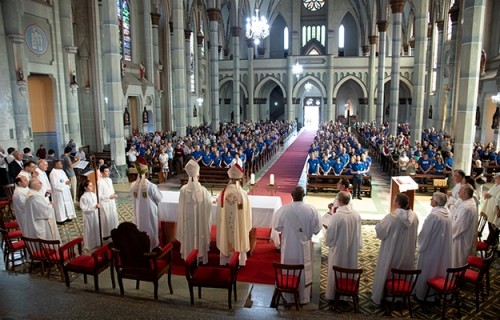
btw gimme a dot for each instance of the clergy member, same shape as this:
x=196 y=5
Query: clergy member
x=193 y=218
x=41 y=173
x=89 y=206
x=145 y=199
x=434 y=244
x=297 y=222
x=61 y=194
x=19 y=200
x=234 y=218
x=491 y=199
x=107 y=196
x=343 y=237
x=398 y=233
x=464 y=227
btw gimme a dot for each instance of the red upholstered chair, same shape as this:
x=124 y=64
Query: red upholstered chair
x=58 y=255
x=93 y=265
x=490 y=242
x=447 y=286
x=401 y=285
x=11 y=247
x=347 y=284
x=475 y=276
x=133 y=259
x=287 y=280
x=35 y=253
x=211 y=277
x=8 y=223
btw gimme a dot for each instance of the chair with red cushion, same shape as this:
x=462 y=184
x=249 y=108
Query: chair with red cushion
x=401 y=285
x=287 y=280
x=474 y=276
x=347 y=284
x=480 y=227
x=12 y=245
x=133 y=259
x=211 y=277
x=447 y=286
x=490 y=242
x=35 y=253
x=8 y=223
x=58 y=255
x=93 y=265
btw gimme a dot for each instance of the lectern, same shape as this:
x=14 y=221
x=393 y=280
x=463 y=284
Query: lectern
x=403 y=184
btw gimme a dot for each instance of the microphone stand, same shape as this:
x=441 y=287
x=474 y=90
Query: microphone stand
x=93 y=162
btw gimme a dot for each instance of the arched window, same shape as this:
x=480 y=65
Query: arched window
x=124 y=29
x=341 y=36
x=285 y=38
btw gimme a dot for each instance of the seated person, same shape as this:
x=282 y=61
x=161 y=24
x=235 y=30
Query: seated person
x=337 y=167
x=312 y=164
x=324 y=166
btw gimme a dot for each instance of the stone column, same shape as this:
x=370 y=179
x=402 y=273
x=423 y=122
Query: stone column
x=148 y=43
x=440 y=111
x=331 y=112
x=250 y=110
x=112 y=84
x=189 y=92
x=419 y=69
x=431 y=48
x=382 y=29
x=450 y=109
x=397 y=18
x=290 y=111
x=200 y=79
x=472 y=27
x=214 y=17
x=334 y=107
x=363 y=109
x=235 y=32
x=372 y=77
x=155 y=78
x=179 y=62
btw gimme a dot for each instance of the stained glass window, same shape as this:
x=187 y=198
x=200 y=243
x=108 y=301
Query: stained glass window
x=124 y=29
x=313 y=5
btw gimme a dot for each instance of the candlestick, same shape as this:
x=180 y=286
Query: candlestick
x=252 y=179
x=271 y=179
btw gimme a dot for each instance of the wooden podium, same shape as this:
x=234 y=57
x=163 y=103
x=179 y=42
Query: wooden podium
x=403 y=184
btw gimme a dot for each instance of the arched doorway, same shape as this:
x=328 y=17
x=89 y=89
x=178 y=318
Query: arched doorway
x=42 y=109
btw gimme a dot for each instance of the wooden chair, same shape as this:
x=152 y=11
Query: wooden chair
x=489 y=243
x=211 y=277
x=401 y=285
x=93 y=265
x=480 y=227
x=347 y=284
x=58 y=255
x=447 y=286
x=12 y=246
x=9 y=224
x=474 y=276
x=35 y=253
x=287 y=280
x=133 y=259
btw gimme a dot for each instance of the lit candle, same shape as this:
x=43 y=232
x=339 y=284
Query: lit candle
x=271 y=179
x=252 y=178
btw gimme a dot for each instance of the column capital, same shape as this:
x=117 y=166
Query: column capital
x=440 y=25
x=365 y=49
x=16 y=38
x=373 y=39
x=382 y=25
x=412 y=42
x=71 y=49
x=429 y=30
x=334 y=100
x=397 y=6
x=250 y=43
x=199 y=38
x=235 y=31
x=155 y=19
x=454 y=11
x=214 y=14
x=187 y=34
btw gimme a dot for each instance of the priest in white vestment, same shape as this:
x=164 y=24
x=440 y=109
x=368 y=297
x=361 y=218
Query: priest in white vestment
x=234 y=218
x=464 y=227
x=489 y=207
x=19 y=200
x=107 y=196
x=41 y=173
x=193 y=218
x=343 y=237
x=298 y=222
x=434 y=244
x=398 y=233
x=62 y=199
x=90 y=207
x=40 y=221
x=145 y=199
x=453 y=198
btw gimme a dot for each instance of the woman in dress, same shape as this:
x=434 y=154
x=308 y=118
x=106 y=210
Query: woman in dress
x=89 y=206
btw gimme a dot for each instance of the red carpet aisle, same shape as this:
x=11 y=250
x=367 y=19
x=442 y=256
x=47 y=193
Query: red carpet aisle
x=287 y=169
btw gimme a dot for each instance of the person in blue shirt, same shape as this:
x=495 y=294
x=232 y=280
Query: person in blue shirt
x=216 y=160
x=197 y=154
x=439 y=166
x=424 y=165
x=206 y=159
x=357 y=171
x=325 y=166
x=227 y=158
x=337 y=167
x=449 y=162
x=312 y=164
x=243 y=158
x=344 y=156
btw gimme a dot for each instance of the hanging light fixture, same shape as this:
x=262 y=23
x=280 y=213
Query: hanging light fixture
x=308 y=86
x=297 y=69
x=257 y=27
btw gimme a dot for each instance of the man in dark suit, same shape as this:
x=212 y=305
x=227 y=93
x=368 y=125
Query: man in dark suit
x=16 y=165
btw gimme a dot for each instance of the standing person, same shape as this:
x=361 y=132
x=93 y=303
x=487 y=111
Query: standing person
x=50 y=160
x=40 y=222
x=357 y=170
x=67 y=166
x=194 y=211
x=398 y=233
x=19 y=200
x=41 y=153
x=145 y=199
x=453 y=198
x=81 y=154
x=464 y=226
x=41 y=173
x=16 y=165
x=489 y=206
x=28 y=169
x=297 y=222
x=234 y=218
x=434 y=244
x=107 y=196
x=89 y=206
x=343 y=237
x=61 y=194
x=4 y=176
x=163 y=158
x=71 y=144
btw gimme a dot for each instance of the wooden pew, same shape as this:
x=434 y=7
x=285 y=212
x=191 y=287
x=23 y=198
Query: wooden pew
x=329 y=182
x=434 y=182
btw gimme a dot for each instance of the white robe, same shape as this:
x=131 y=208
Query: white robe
x=193 y=220
x=434 y=248
x=109 y=213
x=91 y=238
x=489 y=205
x=464 y=229
x=454 y=200
x=61 y=196
x=145 y=204
x=19 y=203
x=398 y=232
x=298 y=222
x=40 y=221
x=46 y=187
x=343 y=237
x=234 y=222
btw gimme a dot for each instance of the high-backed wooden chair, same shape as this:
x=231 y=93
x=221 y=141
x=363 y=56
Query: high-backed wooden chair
x=347 y=284
x=211 y=277
x=287 y=280
x=57 y=254
x=35 y=253
x=11 y=247
x=475 y=276
x=133 y=259
x=401 y=285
